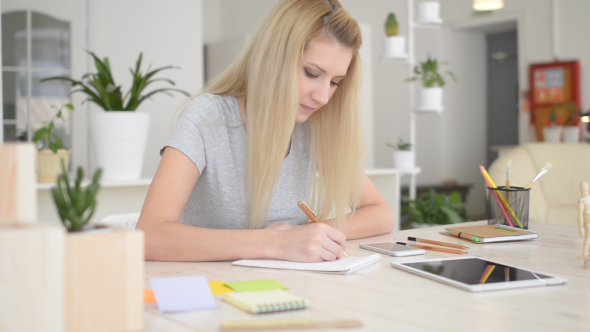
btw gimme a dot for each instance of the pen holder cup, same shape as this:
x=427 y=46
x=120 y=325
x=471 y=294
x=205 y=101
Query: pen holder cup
x=509 y=206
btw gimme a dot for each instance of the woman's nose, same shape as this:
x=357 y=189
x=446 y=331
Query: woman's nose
x=321 y=94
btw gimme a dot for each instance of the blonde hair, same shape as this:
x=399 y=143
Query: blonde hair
x=266 y=73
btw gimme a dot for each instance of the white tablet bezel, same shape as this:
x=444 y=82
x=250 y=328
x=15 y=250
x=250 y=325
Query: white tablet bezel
x=480 y=287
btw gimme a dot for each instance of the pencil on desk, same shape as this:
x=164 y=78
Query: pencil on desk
x=441 y=249
x=310 y=215
x=440 y=243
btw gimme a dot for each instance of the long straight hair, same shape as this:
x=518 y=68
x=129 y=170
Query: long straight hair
x=267 y=74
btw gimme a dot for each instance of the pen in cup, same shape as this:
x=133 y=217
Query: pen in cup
x=310 y=214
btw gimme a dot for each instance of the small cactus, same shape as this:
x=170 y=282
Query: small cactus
x=391 y=26
x=75 y=205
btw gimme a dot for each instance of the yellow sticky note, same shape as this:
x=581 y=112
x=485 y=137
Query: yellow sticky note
x=219 y=287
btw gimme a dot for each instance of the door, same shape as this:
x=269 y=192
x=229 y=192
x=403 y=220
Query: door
x=502 y=91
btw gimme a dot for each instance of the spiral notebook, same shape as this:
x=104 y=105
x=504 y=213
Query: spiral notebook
x=340 y=266
x=266 y=301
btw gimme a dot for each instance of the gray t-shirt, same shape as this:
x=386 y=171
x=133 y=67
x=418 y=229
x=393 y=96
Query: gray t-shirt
x=211 y=134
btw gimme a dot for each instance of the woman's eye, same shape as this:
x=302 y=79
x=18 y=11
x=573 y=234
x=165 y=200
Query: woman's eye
x=335 y=83
x=310 y=75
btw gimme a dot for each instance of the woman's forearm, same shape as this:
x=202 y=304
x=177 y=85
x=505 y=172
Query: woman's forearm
x=172 y=241
x=370 y=220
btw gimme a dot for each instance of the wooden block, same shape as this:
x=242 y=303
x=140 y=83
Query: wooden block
x=104 y=281
x=18 y=183
x=32 y=262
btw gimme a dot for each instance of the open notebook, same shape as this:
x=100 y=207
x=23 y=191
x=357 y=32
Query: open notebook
x=340 y=266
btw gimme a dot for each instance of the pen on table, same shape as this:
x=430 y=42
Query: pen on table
x=440 y=243
x=310 y=214
x=422 y=246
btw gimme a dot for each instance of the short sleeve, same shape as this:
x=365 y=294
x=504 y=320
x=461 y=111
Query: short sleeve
x=187 y=137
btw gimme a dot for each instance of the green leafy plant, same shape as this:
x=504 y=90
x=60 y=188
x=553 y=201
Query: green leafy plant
x=75 y=205
x=102 y=90
x=391 y=26
x=428 y=73
x=573 y=115
x=45 y=135
x=435 y=208
x=400 y=145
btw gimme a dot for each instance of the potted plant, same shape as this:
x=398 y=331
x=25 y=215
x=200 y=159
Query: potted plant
x=404 y=157
x=119 y=134
x=103 y=266
x=51 y=152
x=571 y=125
x=429 y=12
x=432 y=81
x=552 y=129
x=432 y=208
x=394 y=46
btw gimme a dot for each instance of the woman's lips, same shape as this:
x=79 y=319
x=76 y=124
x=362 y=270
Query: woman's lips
x=307 y=109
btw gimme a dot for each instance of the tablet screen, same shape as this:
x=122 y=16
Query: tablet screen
x=474 y=271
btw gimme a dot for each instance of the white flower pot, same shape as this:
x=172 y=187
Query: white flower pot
x=404 y=160
x=571 y=134
x=552 y=134
x=429 y=12
x=119 y=139
x=431 y=98
x=394 y=46
x=49 y=164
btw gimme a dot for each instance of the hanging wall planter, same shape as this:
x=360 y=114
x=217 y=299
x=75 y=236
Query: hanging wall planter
x=429 y=12
x=394 y=46
x=431 y=99
x=432 y=83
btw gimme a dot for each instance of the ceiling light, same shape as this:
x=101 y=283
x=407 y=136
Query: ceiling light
x=485 y=5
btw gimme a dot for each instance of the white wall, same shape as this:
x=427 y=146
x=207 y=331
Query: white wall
x=450 y=145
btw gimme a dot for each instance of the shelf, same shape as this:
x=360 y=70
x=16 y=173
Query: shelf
x=436 y=110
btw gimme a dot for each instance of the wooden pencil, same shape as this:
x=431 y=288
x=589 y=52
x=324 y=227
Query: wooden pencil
x=441 y=249
x=440 y=243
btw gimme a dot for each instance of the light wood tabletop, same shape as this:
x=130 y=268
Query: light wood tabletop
x=388 y=299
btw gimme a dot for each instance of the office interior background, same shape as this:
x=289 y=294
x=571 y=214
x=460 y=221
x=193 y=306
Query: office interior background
x=449 y=146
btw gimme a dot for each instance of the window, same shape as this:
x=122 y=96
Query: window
x=35 y=46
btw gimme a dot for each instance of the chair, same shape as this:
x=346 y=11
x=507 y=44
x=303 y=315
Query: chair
x=125 y=220
x=554 y=197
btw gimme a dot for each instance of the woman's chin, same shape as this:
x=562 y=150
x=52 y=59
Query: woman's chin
x=301 y=117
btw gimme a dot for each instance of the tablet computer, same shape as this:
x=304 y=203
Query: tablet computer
x=478 y=275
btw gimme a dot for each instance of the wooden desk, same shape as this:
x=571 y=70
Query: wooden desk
x=388 y=299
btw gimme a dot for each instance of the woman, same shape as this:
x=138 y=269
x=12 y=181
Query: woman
x=245 y=152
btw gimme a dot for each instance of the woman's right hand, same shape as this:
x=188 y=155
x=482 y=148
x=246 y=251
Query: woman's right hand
x=313 y=242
